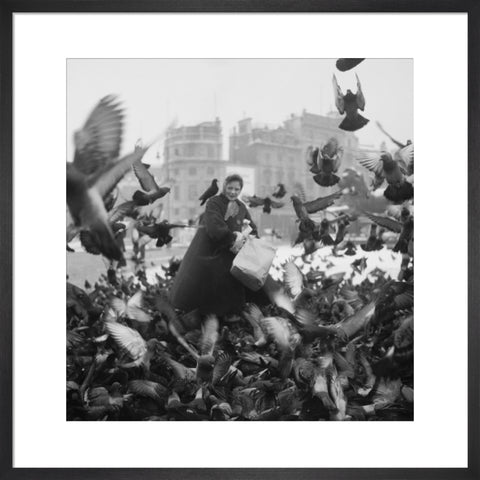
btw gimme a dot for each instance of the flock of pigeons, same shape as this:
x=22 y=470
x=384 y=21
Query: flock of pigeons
x=325 y=348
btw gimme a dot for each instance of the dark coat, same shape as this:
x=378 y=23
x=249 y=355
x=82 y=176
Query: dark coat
x=204 y=281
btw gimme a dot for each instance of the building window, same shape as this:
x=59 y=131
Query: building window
x=175 y=172
x=192 y=191
x=176 y=212
x=176 y=192
x=176 y=152
x=267 y=156
x=210 y=170
x=192 y=171
x=192 y=212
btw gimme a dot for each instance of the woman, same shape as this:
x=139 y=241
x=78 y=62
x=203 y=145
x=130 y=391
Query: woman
x=204 y=281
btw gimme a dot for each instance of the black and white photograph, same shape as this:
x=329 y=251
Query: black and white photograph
x=239 y=239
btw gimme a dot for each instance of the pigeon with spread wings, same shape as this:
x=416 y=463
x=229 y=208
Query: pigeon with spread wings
x=266 y=202
x=404 y=152
x=329 y=162
x=325 y=163
x=349 y=104
x=148 y=183
x=96 y=170
x=393 y=171
x=160 y=231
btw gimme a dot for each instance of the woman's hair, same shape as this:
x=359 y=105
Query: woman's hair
x=234 y=178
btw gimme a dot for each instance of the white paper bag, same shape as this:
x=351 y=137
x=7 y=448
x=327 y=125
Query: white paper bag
x=252 y=263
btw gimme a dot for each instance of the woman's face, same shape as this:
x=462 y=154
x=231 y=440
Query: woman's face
x=232 y=190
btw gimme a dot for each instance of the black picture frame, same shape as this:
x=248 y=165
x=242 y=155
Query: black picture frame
x=9 y=7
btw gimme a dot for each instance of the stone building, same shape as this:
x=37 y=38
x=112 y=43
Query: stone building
x=278 y=155
x=192 y=158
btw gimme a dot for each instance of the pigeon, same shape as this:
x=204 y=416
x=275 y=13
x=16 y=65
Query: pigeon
x=353 y=183
x=350 y=248
x=323 y=234
x=341 y=230
x=90 y=242
x=404 y=228
x=325 y=163
x=132 y=344
x=349 y=104
x=267 y=203
x=148 y=184
x=253 y=315
x=372 y=240
x=209 y=192
x=279 y=191
x=95 y=171
x=133 y=308
x=306 y=225
x=345 y=64
x=404 y=152
x=277 y=330
x=160 y=231
x=393 y=171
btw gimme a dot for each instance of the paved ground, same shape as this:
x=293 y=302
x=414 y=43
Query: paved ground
x=82 y=266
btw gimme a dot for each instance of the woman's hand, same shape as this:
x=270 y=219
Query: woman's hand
x=239 y=241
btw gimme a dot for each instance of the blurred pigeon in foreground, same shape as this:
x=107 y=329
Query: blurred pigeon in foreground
x=344 y=64
x=95 y=171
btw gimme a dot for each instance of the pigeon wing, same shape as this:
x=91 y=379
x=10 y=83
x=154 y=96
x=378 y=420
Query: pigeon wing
x=99 y=141
x=121 y=211
x=277 y=331
x=127 y=339
x=145 y=178
x=119 y=306
x=135 y=308
x=147 y=388
x=360 y=96
x=88 y=243
x=385 y=222
x=338 y=95
x=209 y=335
x=406 y=154
x=293 y=279
x=322 y=202
x=222 y=365
x=107 y=180
x=371 y=161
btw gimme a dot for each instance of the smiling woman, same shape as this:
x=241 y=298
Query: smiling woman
x=204 y=281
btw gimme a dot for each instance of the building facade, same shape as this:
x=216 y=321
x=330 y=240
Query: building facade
x=278 y=155
x=265 y=156
x=192 y=159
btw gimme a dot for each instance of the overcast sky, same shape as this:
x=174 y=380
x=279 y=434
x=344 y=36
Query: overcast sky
x=156 y=92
